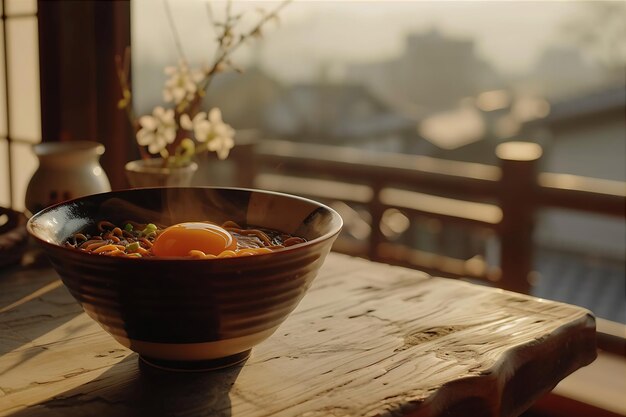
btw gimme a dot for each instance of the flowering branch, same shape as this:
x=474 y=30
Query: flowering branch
x=168 y=132
x=230 y=48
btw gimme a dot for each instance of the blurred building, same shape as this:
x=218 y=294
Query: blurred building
x=562 y=72
x=433 y=73
x=245 y=97
x=338 y=114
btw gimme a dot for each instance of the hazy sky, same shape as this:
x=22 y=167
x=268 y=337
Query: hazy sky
x=509 y=34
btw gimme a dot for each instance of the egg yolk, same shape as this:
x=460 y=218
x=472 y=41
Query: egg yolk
x=181 y=238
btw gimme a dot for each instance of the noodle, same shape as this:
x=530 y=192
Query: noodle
x=135 y=240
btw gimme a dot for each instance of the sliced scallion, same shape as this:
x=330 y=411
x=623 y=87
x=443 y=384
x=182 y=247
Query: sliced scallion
x=131 y=247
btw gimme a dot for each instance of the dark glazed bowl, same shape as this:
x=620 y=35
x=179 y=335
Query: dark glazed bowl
x=189 y=313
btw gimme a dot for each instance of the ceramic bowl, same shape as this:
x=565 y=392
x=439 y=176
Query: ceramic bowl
x=184 y=313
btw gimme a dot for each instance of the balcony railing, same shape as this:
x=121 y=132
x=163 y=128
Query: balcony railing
x=501 y=201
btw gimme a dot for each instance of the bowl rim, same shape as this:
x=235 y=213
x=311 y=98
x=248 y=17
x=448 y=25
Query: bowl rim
x=335 y=231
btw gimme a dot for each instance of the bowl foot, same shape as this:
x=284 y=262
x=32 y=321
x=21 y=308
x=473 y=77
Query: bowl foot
x=196 y=366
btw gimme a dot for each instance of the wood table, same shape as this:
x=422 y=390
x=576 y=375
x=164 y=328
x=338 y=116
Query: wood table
x=368 y=339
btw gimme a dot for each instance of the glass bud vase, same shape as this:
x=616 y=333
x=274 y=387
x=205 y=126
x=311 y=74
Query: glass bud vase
x=66 y=170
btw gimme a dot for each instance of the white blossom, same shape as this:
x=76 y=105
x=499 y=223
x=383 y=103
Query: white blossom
x=212 y=130
x=221 y=145
x=182 y=83
x=187 y=123
x=158 y=130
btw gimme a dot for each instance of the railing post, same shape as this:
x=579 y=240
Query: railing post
x=376 y=211
x=518 y=184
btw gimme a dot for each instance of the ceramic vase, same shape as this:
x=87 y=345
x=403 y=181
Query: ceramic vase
x=154 y=173
x=66 y=170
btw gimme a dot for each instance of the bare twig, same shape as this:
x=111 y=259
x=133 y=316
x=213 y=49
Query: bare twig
x=226 y=49
x=170 y=19
x=225 y=53
x=123 y=71
x=122 y=67
x=229 y=7
x=209 y=12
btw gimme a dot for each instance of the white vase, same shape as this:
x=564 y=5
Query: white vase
x=66 y=170
x=153 y=173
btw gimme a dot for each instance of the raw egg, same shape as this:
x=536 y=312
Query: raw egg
x=180 y=239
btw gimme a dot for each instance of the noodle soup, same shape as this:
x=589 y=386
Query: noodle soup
x=199 y=240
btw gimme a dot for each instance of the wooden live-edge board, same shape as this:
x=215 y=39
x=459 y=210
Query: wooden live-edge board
x=367 y=340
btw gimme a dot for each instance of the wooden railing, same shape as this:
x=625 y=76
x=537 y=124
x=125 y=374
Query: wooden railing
x=503 y=199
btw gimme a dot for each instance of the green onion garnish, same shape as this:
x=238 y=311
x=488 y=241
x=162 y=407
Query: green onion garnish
x=131 y=247
x=150 y=228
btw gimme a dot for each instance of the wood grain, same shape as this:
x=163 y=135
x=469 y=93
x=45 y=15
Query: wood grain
x=367 y=340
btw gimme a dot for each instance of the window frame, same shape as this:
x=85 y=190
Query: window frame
x=78 y=42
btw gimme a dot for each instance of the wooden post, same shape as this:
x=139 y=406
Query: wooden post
x=517 y=192
x=376 y=211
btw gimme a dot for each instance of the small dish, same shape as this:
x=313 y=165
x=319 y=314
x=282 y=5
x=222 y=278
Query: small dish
x=13 y=236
